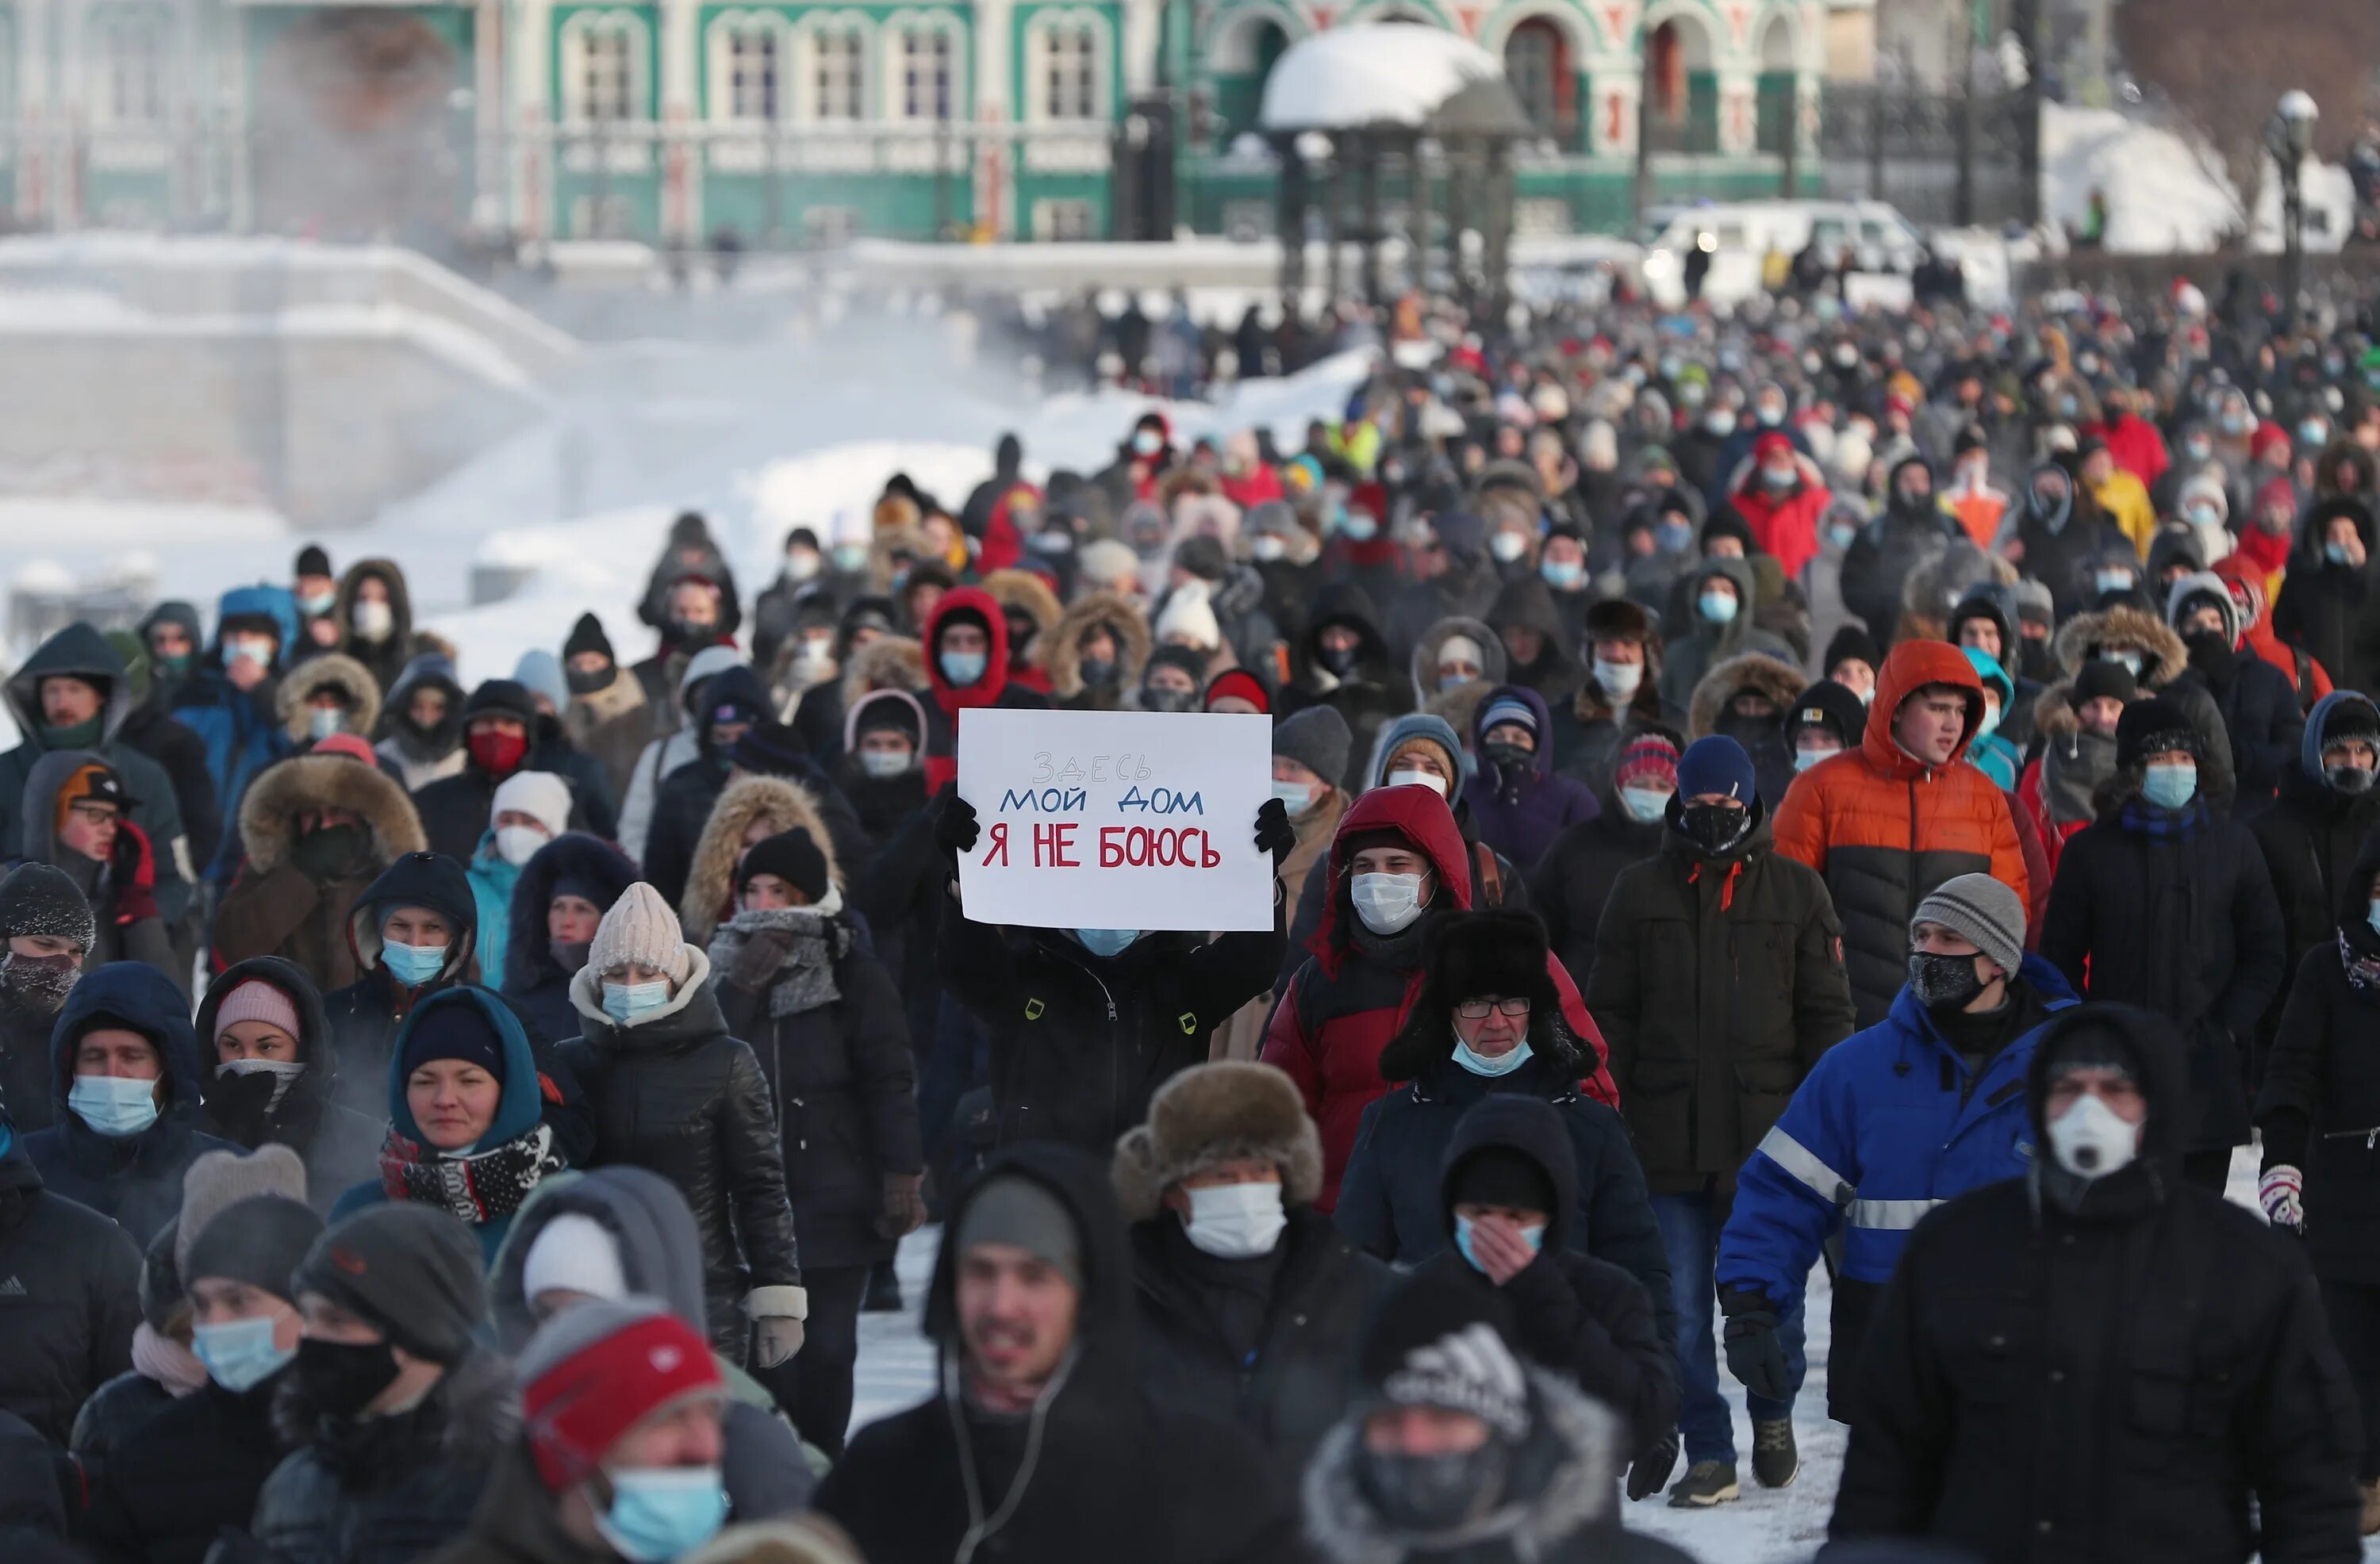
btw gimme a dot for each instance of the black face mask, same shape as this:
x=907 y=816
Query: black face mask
x=1099 y=672
x=1712 y=827
x=1341 y=661
x=1424 y=1494
x=38 y=983
x=584 y=682
x=1943 y=982
x=2349 y=780
x=1167 y=700
x=2033 y=660
x=341 y=1378
x=1509 y=756
x=2210 y=653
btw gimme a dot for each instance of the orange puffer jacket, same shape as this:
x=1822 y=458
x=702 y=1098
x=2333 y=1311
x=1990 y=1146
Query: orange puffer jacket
x=1884 y=829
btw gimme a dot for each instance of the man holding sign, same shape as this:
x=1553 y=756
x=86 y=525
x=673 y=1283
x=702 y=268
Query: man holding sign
x=1094 y=851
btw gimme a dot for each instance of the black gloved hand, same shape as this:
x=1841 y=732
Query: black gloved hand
x=1274 y=834
x=955 y=830
x=330 y=852
x=1755 y=1355
x=240 y=1104
x=1650 y=1472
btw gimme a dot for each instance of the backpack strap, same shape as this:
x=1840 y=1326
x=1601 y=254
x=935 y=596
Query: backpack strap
x=1487 y=876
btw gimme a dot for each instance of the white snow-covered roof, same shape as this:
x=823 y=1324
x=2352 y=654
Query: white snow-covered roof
x=1386 y=73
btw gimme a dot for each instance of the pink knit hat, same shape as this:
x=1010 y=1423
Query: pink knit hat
x=256 y=1001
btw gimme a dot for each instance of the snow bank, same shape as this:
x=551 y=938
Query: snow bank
x=2165 y=194
x=1389 y=74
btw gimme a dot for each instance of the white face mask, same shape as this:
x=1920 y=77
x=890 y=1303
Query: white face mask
x=374 y=621
x=1235 y=1221
x=1418 y=779
x=2092 y=1141
x=1619 y=679
x=516 y=844
x=1387 y=902
x=882 y=763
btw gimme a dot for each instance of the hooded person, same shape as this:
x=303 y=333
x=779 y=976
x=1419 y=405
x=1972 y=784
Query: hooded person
x=2326 y=810
x=1781 y=499
x=172 y=635
x=666 y=754
x=2325 y=601
x=1517 y=800
x=1721 y=590
x=1990 y=750
x=870 y=657
x=1889 y=821
x=614 y=1233
x=232 y=702
x=673 y=1090
x=2056 y=528
x=692 y=600
x=529 y=809
x=1342 y=660
x=1990 y=618
x=2076 y=721
x=2251 y=590
x=1461 y=1447
x=1041 y=1439
x=411 y=932
x=171 y=1485
x=751 y=809
x=1571 y=882
x=965 y=643
x=1620 y=697
x=1248 y=1296
x=376 y=612
x=394 y=1412
x=2163 y=902
x=1537 y=642
x=501 y=739
x=150 y=729
x=2054 y=1348
x=2260 y=709
x=1094 y=653
x=125 y=1083
x=78 y=1274
x=1032 y=613
x=1747 y=700
x=421 y=721
x=73 y=693
x=882 y=771
x=1084 y=1025
x=1452 y=653
x=271 y=1076
x=315 y=831
x=826 y=1022
x=1910 y=533
x=803 y=596
x=606 y=715
x=47 y=927
x=76 y=819
x=326 y=695
x=565 y=890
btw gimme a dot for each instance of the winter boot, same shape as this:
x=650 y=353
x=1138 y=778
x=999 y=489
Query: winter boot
x=1707 y=1483
x=883 y=1295
x=1775 y=1460
x=2370 y=1506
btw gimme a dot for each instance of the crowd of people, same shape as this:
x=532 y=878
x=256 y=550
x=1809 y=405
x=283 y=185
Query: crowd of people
x=1891 y=792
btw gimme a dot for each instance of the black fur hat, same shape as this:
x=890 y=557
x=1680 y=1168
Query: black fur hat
x=1499 y=952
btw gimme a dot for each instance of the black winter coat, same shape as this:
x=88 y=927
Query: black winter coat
x=679 y=1094
x=1718 y=983
x=1298 y=1376
x=2261 y=716
x=114 y=1409
x=839 y=1076
x=172 y=1484
x=901 y=895
x=1390 y=1202
x=2115 y=1375
x=1078 y=1043
x=25 y=1066
x=2310 y=838
x=455 y=810
x=1573 y=882
x=2319 y=1111
x=181 y=753
x=684 y=804
x=2182 y=925
x=69 y=1300
x=1882 y=558
x=532 y=980
x=2321 y=613
x=339 y=1145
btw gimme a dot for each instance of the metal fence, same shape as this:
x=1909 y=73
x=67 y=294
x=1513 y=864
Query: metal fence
x=1956 y=158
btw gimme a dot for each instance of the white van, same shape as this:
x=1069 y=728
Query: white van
x=1739 y=234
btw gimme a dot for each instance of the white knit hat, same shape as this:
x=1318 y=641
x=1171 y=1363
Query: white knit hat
x=574 y=1252
x=542 y=795
x=1188 y=617
x=640 y=930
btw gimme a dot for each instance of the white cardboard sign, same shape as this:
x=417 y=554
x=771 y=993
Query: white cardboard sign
x=1116 y=819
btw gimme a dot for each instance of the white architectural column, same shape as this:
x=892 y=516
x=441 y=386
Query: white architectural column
x=1615 y=88
x=36 y=191
x=995 y=152
x=528 y=117
x=1738 y=112
x=681 y=158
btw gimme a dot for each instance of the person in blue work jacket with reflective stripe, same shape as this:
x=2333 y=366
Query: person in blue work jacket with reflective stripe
x=1890 y=1123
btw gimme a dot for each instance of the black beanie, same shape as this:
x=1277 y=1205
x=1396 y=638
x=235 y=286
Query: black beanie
x=2353 y=717
x=41 y=899
x=1203 y=557
x=1500 y=1175
x=502 y=698
x=1189 y=661
x=1438 y=1340
x=886 y=711
x=456 y=1029
x=161 y=1284
x=2089 y=1041
x=801 y=538
x=588 y=635
x=411 y=1270
x=770 y=749
x=261 y=1241
x=313 y=561
x=1852 y=641
x=2101 y=679
x=2151 y=727
x=793 y=857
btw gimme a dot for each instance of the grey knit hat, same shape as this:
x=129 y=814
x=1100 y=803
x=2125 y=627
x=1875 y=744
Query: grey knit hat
x=221 y=1179
x=1013 y=1209
x=1317 y=738
x=640 y=930
x=1984 y=912
x=260 y=1241
x=411 y=1270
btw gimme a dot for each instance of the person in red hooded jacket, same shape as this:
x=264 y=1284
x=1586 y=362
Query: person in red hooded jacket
x=967 y=666
x=2246 y=577
x=1781 y=496
x=1397 y=866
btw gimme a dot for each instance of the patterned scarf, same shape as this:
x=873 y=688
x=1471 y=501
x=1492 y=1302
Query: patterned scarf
x=2171 y=825
x=484 y=1186
x=805 y=978
x=2363 y=971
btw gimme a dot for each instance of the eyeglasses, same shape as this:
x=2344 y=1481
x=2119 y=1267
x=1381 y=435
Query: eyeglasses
x=1477 y=1009
x=93 y=814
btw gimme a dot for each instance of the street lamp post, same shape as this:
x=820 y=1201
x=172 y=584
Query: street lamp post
x=2288 y=136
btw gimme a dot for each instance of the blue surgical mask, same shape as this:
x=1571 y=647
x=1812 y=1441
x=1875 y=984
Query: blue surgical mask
x=257 y=653
x=1450 y=681
x=1147 y=443
x=1843 y=534
x=1644 y=804
x=1988 y=722
x=628 y=1003
x=2334 y=553
x=412 y=964
x=851 y=558
x=661 y=1512
x=1360 y=529
x=114 y=1106
x=1671 y=536
x=240 y=1355
x=322 y=722
x=1107 y=943
x=1295 y=797
x=1490 y=1068
x=964 y=668
x=1534 y=1234
x=1563 y=575
x=2169 y=787
x=320 y=603
x=1718 y=607
x=1805 y=758
x=2113 y=581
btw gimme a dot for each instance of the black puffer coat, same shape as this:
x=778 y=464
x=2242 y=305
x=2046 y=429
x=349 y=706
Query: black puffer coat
x=25 y=1065
x=841 y=1078
x=2261 y=716
x=1573 y=882
x=170 y=1485
x=69 y=1318
x=1716 y=985
x=2323 y=606
x=339 y=1145
x=2312 y=833
x=679 y=1094
x=2118 y=1376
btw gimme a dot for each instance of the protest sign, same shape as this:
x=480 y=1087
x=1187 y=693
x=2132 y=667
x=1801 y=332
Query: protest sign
x=1116 y=819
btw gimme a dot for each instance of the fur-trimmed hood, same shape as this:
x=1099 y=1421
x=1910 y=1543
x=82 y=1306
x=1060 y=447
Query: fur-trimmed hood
x=2127 y=628
x=2053 y=711
x=1022 y=588
x=1424 y=669
x=330 y=671
x=1215 y=1113
x=1755 y=669
x=390 y=575
x=711 y=881
x=574 y=854
x=1062 y=653
x=1589 y=1447
x=888 y=662
x=269 y=811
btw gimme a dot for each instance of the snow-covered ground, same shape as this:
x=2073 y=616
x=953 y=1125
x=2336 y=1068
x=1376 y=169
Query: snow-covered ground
x=2165 y=194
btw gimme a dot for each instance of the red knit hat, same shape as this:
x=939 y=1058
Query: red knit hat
x=597 y=1370
x=1649 y=758
x=1771 y=444
x=1241 y=683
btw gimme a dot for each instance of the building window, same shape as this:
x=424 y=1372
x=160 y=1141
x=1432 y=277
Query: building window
x=838 y=61
x=130 y=51
x=607 y=75
x=1535 y=63
x=752 y=75
x=1070 y=72
x=926 y=56
x=1062 y=220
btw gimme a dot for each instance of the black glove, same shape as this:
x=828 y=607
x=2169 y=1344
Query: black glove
x=1755 y=1355
x=329 y=853
x=1650 y=1473
x=1273 y=833
x=956 y=830
x=240 y=1104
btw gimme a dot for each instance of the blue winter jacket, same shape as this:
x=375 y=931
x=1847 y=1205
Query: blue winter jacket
x=241 y=729
x=491 y=892
x=1877 y=1135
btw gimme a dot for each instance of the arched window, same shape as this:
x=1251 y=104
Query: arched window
x=1537 y=62
x=927 y=71
x=604 y=57
x=838 y=75
x=1774 y=104
x=128 y=52
x=1067 y=66
x=1680 y=92
x=754 y=76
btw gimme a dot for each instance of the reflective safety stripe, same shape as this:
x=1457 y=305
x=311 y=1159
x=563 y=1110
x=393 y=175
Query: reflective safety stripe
x=1889 y=1216
x=1803 y=1164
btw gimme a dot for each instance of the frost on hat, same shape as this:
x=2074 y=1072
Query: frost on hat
x=41 y=899
x=542 y=795
x=640 y=930
x=573 y=1253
